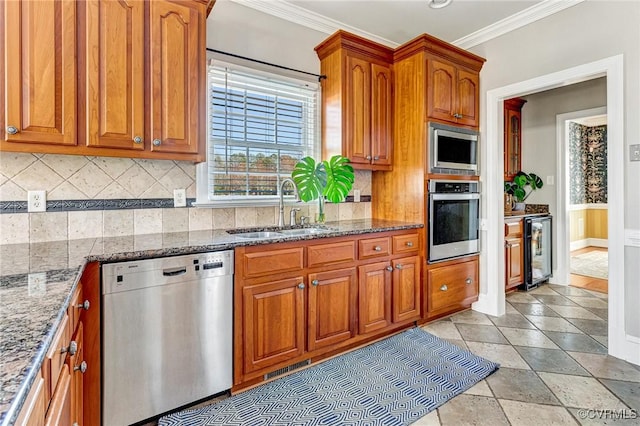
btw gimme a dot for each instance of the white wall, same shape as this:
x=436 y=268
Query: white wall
x=587 y=32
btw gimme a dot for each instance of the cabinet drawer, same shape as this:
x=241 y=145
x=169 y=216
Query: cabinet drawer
x=513 y=228
x=374 y=247
x=73 y=311
x=54 y=360
x=273 y=261
x=405 y=243
x=33 y=409
x=452 y=284
x=59 y=412
x=322 y=254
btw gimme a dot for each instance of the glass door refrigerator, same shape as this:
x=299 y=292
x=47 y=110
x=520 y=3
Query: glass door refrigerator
x=537 y=250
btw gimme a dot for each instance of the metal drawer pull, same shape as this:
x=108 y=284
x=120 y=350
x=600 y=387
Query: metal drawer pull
x=12 y=130
x=82 y=367
x=157 y=142
x=399 y=266
x=409 y=243
x=376 y=158
x=72 y=348
x=444 y=287
x=174 y=272
x=377 y=248
x=137 y=140
x=389 y=268
x=314 y=282
x=84 y=305
x=301 y=286
x=368 y=157
x=468 y=281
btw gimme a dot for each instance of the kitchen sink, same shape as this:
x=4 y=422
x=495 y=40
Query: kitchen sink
x=259 y=234
x=305 y=231
x=280 y=232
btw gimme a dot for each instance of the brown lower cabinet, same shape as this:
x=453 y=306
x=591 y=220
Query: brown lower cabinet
x=513 y=253
x=320 y=297
x=451 y=286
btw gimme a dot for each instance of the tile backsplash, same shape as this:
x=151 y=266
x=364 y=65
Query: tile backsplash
x=66 y=177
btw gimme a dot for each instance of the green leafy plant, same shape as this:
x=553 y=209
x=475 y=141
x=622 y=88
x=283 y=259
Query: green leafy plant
x=329 y=179
x=521 y=180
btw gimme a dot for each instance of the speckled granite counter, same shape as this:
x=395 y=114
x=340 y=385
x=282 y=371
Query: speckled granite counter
x=31 y=313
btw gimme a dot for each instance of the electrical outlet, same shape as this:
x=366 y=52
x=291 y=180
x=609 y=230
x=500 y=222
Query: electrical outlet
x=634 y=152
x=482 y=225
x=179 y=197
x=37 y=284
x=36 y=201
x=356 y=195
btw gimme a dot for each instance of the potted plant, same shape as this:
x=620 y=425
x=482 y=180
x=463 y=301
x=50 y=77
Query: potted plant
x=329 y=179
x=517 y=188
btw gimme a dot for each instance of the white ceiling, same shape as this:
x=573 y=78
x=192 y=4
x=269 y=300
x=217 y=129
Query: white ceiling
x=464 y=23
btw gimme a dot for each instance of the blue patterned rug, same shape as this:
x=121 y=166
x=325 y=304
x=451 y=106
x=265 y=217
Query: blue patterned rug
x=392 y=382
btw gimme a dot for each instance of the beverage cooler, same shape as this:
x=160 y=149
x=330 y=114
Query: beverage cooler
x=537 y=250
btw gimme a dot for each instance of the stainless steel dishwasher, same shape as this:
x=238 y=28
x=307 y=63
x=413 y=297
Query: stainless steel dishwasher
x=166 y=334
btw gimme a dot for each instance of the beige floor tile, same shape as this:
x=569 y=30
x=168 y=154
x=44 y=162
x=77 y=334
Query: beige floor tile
x=430 y=419
x=472 y=410
x=574 y=312
x=505 y=355
x=508 y=309
x=604 y=340
x=481 y=388
x=527 y=414
x=581 y=392
x=471 y=317
x=595 y=418
x=607 y=367
x=589 y=302
x=544 y=290
x=553 y=324
x=444 y=329
x=521 y=298
x=459 y=343
x=531 y=338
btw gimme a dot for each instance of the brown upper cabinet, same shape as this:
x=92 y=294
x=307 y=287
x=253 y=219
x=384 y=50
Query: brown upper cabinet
x=512 y=137
x=453 y=92
x=357 y=100
x=140 y=68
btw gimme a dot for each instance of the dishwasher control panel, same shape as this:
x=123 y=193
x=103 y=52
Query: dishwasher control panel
x=139 y=274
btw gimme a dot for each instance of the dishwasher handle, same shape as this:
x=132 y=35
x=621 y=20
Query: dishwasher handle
x=173 y=272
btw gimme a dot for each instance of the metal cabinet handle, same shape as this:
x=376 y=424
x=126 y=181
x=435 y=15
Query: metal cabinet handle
x=377 y=248
x=368 y=157
x=84 y=305
x=389 y=268
x=137 y=139
x=315 y=282
x=444 y=287
x=399 y=266
x=157 y=142
x=409 y=244
x=72 y=348
x=376 y=158
x=456 y=115
x=468 y=281
x=82 y=367
x=12 y=130
x=301 y=286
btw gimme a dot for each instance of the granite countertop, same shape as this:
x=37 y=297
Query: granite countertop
x=32 y=306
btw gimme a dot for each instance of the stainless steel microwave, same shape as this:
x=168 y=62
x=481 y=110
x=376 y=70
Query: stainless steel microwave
x=453 y=150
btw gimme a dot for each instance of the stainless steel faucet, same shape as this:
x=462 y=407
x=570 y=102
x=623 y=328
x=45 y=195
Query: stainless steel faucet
x=281 y=199
x=292 y=216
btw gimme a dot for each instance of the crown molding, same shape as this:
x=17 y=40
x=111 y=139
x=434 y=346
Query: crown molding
x=304 y=17
x=515 y=21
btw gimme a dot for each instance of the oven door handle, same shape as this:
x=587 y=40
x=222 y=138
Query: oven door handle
x=457 y=196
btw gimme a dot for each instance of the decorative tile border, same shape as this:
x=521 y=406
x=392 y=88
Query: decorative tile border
x=7 y=207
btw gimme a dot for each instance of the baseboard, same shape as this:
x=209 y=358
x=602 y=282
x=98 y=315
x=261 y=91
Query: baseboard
x=588 y=242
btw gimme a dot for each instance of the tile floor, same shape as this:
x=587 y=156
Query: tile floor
x=552 y=348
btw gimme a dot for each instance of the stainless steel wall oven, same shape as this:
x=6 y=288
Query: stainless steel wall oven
x=454 y=214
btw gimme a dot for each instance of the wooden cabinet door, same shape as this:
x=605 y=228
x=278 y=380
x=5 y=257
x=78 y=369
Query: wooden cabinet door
x=381 y=115
x=406 y=289
x=374 y=295
x=176 y=79
x=514 y=262
x=467 y=98
x=357 y=134
x=115 y=73
x=77 y=377
x=40 y=72
x=273 y=322
x=34 y=407
x=332 y=304
x=59 y=412
x=441 y=88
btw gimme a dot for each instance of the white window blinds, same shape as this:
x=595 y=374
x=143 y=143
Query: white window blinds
x=259 y=126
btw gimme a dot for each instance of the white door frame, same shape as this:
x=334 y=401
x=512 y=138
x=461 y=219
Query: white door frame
x=492 y=297
x=561 y=273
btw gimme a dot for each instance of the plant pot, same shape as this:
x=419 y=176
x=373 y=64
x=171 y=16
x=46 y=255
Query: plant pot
x=519 y=206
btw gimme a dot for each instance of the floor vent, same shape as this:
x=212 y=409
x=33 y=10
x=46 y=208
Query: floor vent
x=287 y=369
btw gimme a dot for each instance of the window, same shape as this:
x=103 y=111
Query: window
x=259 y=126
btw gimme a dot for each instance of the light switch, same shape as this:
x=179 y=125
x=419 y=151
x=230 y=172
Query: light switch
x=634 y=152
